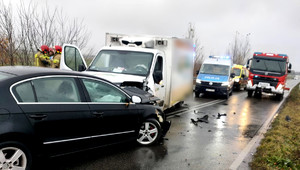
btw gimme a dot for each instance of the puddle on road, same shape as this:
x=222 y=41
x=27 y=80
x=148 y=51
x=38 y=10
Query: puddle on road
x=249 y=131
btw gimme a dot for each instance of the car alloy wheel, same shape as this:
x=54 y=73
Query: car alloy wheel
x=12 y=158
x=149 y=132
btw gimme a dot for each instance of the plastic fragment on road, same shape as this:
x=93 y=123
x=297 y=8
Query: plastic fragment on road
x=203 y=119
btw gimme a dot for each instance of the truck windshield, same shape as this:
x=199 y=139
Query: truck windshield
x=237 y=71
x=269 y=65
x=124 y=62
x=215 y=69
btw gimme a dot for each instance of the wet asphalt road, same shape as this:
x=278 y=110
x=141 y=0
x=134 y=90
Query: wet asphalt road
x=212 y=145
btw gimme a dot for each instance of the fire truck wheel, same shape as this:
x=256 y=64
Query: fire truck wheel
x=250 y=93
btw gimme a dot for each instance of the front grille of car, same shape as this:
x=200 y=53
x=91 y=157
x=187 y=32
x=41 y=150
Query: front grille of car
x=205 y=83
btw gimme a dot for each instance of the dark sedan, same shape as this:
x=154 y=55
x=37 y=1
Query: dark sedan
x=53 y=112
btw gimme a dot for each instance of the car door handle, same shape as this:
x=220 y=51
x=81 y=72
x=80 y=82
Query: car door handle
x=38 y=116
x=98 y=114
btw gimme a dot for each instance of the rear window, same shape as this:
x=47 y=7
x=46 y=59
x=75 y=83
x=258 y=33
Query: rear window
x=4 y=76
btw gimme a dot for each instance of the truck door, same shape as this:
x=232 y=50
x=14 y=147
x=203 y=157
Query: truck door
x=158 y=77
x=72 y=59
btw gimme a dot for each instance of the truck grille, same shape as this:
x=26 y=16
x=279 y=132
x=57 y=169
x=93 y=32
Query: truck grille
x=273 y=81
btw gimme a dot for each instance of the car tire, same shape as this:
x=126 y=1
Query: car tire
x=15 y=154
x=197 y=94
x=149 y=133
x=250 y=93
x=226 y=96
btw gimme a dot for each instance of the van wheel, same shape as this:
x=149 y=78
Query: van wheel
x=149 y=133
x=14 y=155
x=197 y=94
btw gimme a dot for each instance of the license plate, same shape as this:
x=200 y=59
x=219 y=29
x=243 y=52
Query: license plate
x=264 y=84
x=210 y=90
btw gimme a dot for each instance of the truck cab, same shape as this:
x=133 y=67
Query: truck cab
x=215 y=77
x=268 y=73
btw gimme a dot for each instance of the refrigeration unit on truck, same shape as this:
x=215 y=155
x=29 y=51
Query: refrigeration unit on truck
x=215 y=77
x=161 y=67
x=268 y=73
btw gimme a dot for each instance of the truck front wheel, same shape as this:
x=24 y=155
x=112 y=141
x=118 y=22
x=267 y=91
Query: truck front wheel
x=279 y=96
x=250 y=93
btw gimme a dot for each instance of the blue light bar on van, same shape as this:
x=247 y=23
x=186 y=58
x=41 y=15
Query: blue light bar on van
x=257 y=52
x=220 y=57
x=283 y=55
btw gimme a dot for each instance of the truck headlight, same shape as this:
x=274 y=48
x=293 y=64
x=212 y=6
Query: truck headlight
x=237 y=80
x=198 y=81
x=225 y=84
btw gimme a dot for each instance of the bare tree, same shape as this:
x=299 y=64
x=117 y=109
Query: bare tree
x=8 y=32
x=36 y=25
x=240 y=48
x=199 y=49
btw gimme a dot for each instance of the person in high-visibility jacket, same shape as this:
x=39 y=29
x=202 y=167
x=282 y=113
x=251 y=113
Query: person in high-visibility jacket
x=41 y=58
x=56 y=59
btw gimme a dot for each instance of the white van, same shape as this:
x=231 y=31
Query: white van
x=162 y=66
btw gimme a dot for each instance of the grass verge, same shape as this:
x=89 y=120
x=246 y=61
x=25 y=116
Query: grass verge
x=280 y=149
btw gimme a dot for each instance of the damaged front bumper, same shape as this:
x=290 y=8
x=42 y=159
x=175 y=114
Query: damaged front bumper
x=165 y=127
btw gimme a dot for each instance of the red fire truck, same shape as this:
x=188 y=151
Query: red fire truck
x=268 y=73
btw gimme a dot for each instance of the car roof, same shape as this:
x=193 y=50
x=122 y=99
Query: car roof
x=30 y=71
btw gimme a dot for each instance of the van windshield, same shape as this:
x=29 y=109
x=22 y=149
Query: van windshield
x=215 y=69
x=123 y=62
x=237 y=71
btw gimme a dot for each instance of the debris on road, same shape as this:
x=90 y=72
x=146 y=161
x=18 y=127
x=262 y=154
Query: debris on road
x=194 y=122
x=203 y=119
x=177 y=115
x=219 y=115
x=209 y=130
x=234 y=113
x=287 y=118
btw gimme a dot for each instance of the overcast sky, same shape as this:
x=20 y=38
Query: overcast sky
x=274 y=24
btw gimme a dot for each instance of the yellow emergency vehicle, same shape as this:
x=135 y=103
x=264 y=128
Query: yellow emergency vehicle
x=241 y=77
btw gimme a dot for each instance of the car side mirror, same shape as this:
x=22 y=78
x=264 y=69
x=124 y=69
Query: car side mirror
x=136 y=99
x=232 y=75
x=81 y=67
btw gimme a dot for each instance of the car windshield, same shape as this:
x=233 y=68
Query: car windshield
x=124 y=62
x=237 y=71
x=4 y=76
x=215 y=69
x=269 y=65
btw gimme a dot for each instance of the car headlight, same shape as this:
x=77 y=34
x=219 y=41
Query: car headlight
x=198 y=81
x=225 y=84
x=237 y=80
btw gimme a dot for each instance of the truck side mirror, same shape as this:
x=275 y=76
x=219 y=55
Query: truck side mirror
x=243 y=76
x=81 y=67
x=290 y=66
x=232 y=75
x=248 y=63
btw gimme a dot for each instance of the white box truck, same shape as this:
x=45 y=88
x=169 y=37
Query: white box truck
x=162 y=66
